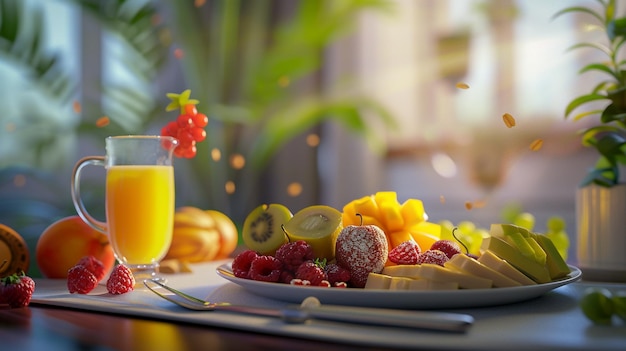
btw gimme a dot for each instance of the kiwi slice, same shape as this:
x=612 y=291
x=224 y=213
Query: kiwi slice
x=262 y=228
x=318 y=225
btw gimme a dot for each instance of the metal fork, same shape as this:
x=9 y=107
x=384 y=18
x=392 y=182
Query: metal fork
x=312 y=309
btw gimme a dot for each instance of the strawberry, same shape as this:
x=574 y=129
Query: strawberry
x=93 y=265
x=406 y=252
x=433 y=256
x=17 y=290
x=80 y=280
x=121 y=280
x=449 y=247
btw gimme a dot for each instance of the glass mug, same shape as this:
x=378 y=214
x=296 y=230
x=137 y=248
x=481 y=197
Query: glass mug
x=139 y=199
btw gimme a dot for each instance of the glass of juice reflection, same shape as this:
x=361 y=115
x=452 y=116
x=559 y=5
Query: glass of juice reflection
x=139 y=200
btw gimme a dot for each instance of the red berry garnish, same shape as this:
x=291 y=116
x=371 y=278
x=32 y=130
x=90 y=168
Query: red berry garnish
x=449 y=247
x=293 y=254
x=405 y=253
x=191 y=109
x=16 y=290
x=80 y=280
x=310 y=271
x=266 y=268
x=184 y=121
x=200 y=120
x=198 y=134
x=242 y=262
x=432 y=256
x=121 y=280
x=94 y=266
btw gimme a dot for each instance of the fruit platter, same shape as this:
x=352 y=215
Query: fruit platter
x=378 y=252
x=403 y=299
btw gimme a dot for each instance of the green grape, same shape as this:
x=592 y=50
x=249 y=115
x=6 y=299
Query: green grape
x=619 y=304
x=556 y=224
x=597 y=305
x=560 y=241
x=525 y=220
x=509 y=212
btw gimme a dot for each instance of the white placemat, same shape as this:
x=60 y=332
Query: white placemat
x=553 y=321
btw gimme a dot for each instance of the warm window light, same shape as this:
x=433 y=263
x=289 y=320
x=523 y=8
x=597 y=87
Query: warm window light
x=237 y=161
x=443 y=165
x=313 y=140
x=229 y=187
x=216 y=155
x=294 y=189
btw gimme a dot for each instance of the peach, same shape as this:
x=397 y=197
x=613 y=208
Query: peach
x=63 y=243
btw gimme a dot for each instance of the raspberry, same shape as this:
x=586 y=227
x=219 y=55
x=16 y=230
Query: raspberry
x=121 y=280
x=337 y=274
x=266 y=268
x=285 y=276
x=449 y=247
x=241 y=263
x=81 y=280
x=405 y=253
x=293 y=254
x=432 y=256
x=94 y=266
x=310 y=271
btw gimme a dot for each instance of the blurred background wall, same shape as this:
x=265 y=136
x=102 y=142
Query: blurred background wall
x=310 y=102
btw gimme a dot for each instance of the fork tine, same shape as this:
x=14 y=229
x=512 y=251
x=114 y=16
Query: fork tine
x=179 y=293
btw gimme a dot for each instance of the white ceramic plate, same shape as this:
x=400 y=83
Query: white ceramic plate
x=465 y=298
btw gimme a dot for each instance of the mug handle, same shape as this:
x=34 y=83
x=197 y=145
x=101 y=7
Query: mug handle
x=78 y=202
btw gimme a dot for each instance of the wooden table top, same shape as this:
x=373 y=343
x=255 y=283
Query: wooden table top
x=50 y=328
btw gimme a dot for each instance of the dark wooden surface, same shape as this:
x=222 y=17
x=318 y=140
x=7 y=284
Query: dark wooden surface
x=50 y=328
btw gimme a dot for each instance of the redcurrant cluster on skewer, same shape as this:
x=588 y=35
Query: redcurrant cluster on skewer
x=188 y=127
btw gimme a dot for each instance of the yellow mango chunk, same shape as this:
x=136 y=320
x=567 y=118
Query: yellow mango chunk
x=413 y=212
x=396 y=238
x=392 y=218
x=424 y=240
x=366 y=206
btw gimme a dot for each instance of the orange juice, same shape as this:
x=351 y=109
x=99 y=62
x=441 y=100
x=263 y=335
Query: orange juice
x=140 y=211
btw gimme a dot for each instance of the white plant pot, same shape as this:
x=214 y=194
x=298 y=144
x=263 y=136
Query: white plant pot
x=601 y=224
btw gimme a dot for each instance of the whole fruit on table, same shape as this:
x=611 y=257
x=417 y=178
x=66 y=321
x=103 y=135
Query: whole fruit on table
x=229 y=235
x=63 y=243
x=14 y=254
x=200 y=235
x=597 y=305
x=16 y=290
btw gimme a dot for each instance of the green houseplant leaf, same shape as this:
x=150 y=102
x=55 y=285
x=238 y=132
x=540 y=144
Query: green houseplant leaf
x=609 y=137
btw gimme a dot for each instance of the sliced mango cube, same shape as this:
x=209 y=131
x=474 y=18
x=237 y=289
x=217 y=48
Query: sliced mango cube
x=413 y=212
x=391 y=216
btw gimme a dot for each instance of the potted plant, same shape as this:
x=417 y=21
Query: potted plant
x=601 y=197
